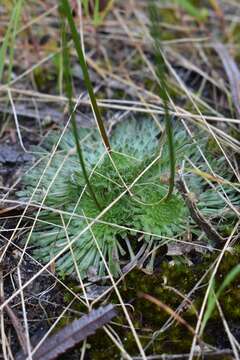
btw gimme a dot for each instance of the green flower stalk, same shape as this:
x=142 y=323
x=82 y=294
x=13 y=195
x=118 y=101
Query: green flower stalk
x=67 y=12
x=163 y=89
x=68 y=88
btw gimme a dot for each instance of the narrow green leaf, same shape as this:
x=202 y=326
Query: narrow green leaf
x=9 y=39
x=199 y=14
x=210 y=307
x=229 y=278
x=213 y=297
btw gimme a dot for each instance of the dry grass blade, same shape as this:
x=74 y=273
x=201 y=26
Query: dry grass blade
x=218 y=354
x=168 y=310
x=200 y=220
x=232 y=72
x=72 y=334
x=18 y=327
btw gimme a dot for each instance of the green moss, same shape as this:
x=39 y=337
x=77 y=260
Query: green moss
x=148 y=319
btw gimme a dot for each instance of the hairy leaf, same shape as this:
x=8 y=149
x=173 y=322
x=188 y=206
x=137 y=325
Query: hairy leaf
x=134 y=146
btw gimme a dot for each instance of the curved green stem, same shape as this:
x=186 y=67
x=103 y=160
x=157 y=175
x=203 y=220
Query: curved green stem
x=67 y=12
x=81 y=160
x=68 y=88
x=161 y=73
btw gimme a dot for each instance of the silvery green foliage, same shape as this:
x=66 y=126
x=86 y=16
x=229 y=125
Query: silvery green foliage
x=135 y=144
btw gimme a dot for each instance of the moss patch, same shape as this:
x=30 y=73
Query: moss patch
x=148 y=319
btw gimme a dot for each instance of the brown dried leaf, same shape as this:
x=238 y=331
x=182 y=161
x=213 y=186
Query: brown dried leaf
x=72 y=334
